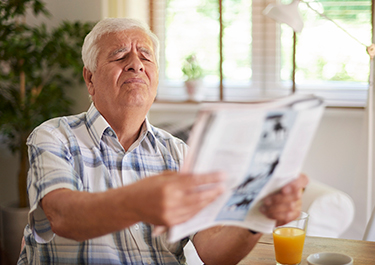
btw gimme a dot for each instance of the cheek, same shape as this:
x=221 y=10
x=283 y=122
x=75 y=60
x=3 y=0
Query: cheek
x=154 y=78
x=107 y=78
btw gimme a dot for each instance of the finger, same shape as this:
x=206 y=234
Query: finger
x=177 y=197
x=284 y=218
x=279 y=198
x=283 y=212
x=288 y=218
x=193 y=203
x=206 y=181
x=291 y=191
x=296 y=185
x=276 y=209
x=183 y=198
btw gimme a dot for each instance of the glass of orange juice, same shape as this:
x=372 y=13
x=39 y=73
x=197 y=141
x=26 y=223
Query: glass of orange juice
x=289 y=239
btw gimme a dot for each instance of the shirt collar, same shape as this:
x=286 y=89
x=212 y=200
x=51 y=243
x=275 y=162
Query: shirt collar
x=146 y=131
x=97 y=126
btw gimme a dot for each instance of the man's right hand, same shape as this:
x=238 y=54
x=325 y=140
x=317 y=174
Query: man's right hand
x=172 y=198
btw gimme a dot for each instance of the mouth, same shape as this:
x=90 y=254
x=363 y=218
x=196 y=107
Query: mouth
x=134 y=80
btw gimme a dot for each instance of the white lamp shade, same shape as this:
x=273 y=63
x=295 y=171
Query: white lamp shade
x=288 y=14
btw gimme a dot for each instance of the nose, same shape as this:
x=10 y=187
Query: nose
x=134 y=63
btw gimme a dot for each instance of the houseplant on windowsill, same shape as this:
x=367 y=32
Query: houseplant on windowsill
x=193 y=74
x=36 y=64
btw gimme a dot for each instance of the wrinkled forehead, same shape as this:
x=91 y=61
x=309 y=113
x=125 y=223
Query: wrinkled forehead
x=126 y=38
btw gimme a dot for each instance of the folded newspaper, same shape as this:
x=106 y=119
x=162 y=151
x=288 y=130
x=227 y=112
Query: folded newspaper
x=260 y=146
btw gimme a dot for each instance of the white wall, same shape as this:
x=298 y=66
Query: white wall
x=72 y=10
x=338 y=157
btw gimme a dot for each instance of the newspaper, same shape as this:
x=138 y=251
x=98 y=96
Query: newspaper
x=260 y=146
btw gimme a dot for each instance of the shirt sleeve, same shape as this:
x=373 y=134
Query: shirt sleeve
x=51 y=168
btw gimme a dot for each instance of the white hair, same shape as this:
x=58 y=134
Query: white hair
x=90 y=49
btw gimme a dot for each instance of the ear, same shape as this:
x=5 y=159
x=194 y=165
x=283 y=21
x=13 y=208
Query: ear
x=87 y=75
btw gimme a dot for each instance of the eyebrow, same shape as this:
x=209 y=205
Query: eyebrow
x=125 y=49
x=145 y=50
x=117 y=51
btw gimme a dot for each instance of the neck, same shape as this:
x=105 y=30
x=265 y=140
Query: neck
x=127 y=125
x=128 y=133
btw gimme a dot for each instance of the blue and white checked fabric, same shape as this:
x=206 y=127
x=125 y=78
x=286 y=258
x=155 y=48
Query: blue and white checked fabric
x=82 y=153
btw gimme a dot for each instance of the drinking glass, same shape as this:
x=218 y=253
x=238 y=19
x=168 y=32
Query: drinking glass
x=289 y=239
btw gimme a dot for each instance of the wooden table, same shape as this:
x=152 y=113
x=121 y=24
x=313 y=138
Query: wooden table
x=363 y=252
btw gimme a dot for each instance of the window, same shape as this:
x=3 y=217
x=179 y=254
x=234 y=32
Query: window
x=330 y=61
x=193 y=27
x=250 y=56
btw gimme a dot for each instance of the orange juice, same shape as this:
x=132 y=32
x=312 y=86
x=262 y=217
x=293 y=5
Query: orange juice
x=288 y=242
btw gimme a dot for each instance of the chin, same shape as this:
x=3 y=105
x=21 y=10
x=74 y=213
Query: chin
x=139 y=102
x=138 y=98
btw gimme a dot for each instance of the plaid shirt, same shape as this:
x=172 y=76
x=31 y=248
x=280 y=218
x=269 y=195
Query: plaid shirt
x=82 y=153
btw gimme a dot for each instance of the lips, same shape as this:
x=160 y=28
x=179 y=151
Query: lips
x=134 y=80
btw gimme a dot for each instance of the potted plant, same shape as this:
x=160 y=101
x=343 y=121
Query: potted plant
x=36 y=64
x=193 y=73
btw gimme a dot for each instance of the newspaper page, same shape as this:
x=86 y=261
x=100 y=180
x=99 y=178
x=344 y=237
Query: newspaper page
x=260 y=146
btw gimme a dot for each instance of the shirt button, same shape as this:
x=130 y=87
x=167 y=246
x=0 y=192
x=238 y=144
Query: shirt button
x=110 y=133
x=136 y=227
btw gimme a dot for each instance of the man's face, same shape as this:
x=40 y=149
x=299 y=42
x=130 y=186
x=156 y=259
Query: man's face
x=126 y=75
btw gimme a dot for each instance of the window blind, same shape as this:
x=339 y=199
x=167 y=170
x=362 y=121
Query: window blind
x=248 y=58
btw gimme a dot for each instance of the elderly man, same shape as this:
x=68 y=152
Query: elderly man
x=100 y=181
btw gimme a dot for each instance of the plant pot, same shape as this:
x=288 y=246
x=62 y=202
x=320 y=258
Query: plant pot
x=13 y=222
x=195 y=89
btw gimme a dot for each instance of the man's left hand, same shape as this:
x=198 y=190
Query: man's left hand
x=285 y=205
